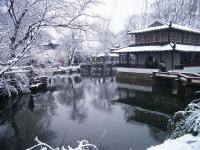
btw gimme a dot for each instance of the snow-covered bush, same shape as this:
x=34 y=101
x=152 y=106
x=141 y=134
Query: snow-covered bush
x=185 y=122
x=83 y=145
x=6 y=89
x=16 y=83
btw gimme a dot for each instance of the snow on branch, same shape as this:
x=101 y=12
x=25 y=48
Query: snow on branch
x=82 y=146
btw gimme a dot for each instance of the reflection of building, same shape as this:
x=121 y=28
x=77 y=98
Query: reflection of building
x=148 y=107
x=174 y=44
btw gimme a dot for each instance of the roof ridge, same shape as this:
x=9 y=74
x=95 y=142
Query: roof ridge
x=185 y=26
x=158 y=20
x=147 y=26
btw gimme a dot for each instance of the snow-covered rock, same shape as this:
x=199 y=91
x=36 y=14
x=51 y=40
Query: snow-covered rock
x=14 y=84
x=185 y=122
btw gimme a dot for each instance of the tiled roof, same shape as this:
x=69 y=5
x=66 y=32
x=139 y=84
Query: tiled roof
x=167 y=47
x=165 y=26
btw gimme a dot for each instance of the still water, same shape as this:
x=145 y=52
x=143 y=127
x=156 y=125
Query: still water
x=99 y=110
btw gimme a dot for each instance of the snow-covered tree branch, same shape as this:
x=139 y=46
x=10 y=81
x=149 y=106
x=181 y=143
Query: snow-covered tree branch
x=82 y=145
x=23 y=21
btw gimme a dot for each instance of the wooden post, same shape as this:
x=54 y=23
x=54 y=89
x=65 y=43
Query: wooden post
x=173 y=49
x=169 y=31
x=127 y=58
x=119 y=58
x=160 y=56
x=172 y=58
x=127 y=94
x=137 y=59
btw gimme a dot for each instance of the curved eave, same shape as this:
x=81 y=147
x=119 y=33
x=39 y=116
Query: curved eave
x=164 y=27
x=158 y=48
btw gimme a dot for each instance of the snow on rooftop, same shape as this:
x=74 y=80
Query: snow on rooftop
x=165 y=26
x=148 y=29
x=144 y=48
x=114 y=55
x=109 y=54
x=182 y=47
x=167 y=47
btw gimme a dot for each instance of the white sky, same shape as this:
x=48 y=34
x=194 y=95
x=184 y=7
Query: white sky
x=118 y=11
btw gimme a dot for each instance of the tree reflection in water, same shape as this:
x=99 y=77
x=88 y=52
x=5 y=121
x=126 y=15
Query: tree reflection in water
x=20 y=125
x=75 y=107
x=105 y=92
x=72 y=95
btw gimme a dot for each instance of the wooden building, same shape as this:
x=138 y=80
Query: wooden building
x=175 y=45
x=110 y=58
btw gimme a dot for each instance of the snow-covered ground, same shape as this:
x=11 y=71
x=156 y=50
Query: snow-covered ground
x=136 y=70
x=67 y=69
x=186 y=142
x=189 y=69
x=183 y=130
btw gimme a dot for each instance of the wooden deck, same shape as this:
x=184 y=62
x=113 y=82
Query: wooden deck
x=183 y=84
x=186 y=78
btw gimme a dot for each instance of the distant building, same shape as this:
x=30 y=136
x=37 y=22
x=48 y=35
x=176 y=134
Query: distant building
x=175 y=45
x=106 y=58
x=50 y=45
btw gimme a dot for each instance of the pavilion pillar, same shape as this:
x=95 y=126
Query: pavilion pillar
x=172 y=55
x=160 y=56
x=127 y=58
x=137 y=60
x=119 y=58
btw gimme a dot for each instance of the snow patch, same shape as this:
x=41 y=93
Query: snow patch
x=136 y=70
x=186 y=142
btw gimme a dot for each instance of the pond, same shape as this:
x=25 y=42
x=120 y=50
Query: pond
x=74 y=108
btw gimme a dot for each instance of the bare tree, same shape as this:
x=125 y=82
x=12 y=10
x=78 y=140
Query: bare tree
x=24 y=19
x=185 y=12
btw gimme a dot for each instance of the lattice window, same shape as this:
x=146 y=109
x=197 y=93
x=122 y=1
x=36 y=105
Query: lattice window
x=153 y=37
x=185 y=38
x=193 y=39
x=143 y=39
x=137 y=38
x=180 y=38
x=159 y=37
x=165 y=36
x=189 y=38
x=198 y=39
x=172 y=37
x=148 y=38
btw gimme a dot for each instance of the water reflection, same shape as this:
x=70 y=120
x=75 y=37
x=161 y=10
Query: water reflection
x=19 y=125
x=149 y=106
x=77 y=108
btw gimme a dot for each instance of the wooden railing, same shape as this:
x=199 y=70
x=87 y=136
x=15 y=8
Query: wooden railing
x=165 y=74
x=132 y=66
x=186 y=78
x=189 y=78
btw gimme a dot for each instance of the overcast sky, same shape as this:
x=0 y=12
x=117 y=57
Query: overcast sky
x=118 y=11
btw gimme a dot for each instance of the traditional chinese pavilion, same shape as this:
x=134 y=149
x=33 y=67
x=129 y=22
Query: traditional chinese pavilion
x=175 y=45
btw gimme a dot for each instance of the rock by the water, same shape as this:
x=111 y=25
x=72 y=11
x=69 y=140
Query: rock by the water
x=185 y=122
